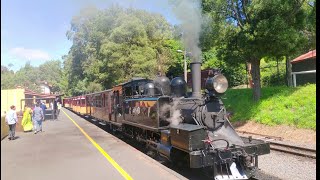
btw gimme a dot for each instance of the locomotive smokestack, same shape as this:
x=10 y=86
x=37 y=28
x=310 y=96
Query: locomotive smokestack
x=196 y=79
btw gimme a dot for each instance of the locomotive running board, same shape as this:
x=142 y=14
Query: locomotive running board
x=94 y=120
x=102 y=123
x=140 y=126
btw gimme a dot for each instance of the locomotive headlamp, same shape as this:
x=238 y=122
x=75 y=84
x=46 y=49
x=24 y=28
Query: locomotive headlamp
x=218 y=83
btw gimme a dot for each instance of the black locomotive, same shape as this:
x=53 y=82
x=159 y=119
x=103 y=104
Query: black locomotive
x=191 y=129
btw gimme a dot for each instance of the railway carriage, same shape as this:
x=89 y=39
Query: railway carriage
x=99 y=105
x=66 y=102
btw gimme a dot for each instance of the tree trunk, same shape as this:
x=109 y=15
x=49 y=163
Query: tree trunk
x=255 y=73
x=249 y=75
x=289 y=70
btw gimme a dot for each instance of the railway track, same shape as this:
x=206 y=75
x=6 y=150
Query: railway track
x=285 y=148
x=296 y=150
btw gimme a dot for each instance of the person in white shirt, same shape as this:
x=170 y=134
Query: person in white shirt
x=51 y=105
x=12 y=120
x=59 y=107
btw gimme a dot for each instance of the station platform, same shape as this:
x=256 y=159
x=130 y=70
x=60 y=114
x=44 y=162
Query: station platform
x=73 y=148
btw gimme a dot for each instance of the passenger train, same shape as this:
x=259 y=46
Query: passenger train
x=181 y=127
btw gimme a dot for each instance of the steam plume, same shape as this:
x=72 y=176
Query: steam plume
x=189 y=13
x=175 y=113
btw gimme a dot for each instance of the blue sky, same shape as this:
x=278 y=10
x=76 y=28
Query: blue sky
x=35 y=30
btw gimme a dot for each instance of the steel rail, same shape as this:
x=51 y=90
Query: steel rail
x=285 y=148
x=293 y=150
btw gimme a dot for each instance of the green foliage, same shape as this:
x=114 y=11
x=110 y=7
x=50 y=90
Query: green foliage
x=51 y=71
x=113 y=45
x=278 y=105
x=236 y=75
x=28 y=77
x=247 y=31
x=94 y=87
x=176 y=67
x=270 y=75
x=31 y=77
x=7 y=78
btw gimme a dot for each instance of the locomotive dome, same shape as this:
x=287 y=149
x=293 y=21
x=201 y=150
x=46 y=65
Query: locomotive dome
x=162 y=83
x=149 y=89
x=178 y=87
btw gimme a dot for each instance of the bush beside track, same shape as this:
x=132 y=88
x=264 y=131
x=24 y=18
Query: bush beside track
x=278 y=105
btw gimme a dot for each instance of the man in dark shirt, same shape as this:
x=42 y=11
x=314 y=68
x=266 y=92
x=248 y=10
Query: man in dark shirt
x=55 y=108
x=43 y=107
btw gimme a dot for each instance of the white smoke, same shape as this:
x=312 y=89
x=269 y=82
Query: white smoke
x=189 y=13
x=175 y=114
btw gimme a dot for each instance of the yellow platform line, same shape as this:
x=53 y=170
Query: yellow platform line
x=106 y=155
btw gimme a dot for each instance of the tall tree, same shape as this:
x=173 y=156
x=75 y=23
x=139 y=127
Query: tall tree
x=51 y=72
x=28 y=77
x=248 y=30
x=7 y=78
x=113 y=45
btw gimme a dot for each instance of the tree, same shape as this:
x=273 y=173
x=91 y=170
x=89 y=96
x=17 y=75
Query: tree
x=236 y=74
x=94 y=87
x=51 y=72
x=113 y=45
x=28 y=77
x=7 y=78
x=247 y=31
x=176 y=67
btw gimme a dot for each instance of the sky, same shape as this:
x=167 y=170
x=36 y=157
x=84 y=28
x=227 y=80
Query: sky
x=35 y=30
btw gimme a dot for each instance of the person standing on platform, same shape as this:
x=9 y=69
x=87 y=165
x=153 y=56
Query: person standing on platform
x=38 y=118
x=43 y=107
x=26 y=119
x=59 y=107
x=51 y=105
x=12 y=120
x=55 y=108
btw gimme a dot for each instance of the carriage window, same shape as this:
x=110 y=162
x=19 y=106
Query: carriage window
x=136 y=90
x=128 y=91
x=116 y=97
x=98 y=101
x=83 y=101
x=104 y=100
x=141 y=89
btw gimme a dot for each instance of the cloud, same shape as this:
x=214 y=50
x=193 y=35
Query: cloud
x=29 y=54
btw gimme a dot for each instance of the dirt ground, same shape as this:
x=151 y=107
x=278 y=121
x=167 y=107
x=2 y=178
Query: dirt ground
x=288 y=133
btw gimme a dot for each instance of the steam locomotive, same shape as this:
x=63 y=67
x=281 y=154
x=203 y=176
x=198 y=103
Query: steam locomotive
x=190 y=129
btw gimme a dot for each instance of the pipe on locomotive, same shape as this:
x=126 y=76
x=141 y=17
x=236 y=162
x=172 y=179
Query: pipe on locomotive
x=196 y=79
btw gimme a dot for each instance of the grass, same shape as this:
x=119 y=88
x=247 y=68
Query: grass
x=278 y=105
